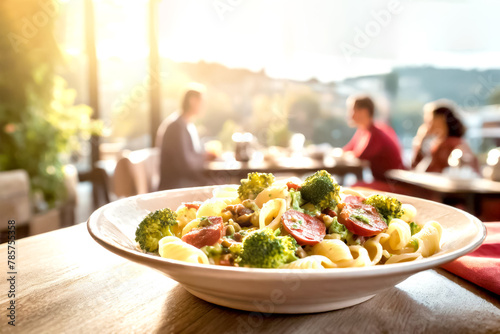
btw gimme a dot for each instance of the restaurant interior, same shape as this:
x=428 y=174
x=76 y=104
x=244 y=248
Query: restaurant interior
x=104 y=100
x=105 y=86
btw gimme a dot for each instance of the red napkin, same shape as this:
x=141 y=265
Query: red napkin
x=482 y=266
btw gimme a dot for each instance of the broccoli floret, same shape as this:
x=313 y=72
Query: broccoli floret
x=321 y=190
x=298 y=204
x=212 y=251
x=263 y=249
x=311 y=209
x=236 y=248
x=254 y=184
x=414 y=228
x=338 y=228
x=154 y=227
x=297 y=200
x=388 y=207
x=413 y=243
x=345 y=235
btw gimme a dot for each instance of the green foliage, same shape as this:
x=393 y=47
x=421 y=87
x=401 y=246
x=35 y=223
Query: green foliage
x=154 y=227
x=388 y=207
x=263 y=249
x=321 y=190
x=38 y=119
x=254 y=184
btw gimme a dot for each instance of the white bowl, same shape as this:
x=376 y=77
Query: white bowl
x=278 y=290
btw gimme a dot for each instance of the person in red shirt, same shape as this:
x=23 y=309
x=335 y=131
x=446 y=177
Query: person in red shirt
x=377 y=143
x=443 y=128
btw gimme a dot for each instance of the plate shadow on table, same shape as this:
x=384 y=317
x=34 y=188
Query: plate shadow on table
x=424 y=303
x=392 y=311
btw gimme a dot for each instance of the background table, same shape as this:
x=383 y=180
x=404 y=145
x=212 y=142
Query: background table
x=68 y=283
x=232 y=171
x=473 y=190
x=144 y=173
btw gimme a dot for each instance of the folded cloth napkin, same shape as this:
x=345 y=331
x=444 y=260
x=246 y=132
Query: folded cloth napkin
x=482 y=266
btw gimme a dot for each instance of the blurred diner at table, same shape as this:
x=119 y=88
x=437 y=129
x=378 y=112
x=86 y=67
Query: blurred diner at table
x=374 y=142
x=182 y=154
x=439 y=140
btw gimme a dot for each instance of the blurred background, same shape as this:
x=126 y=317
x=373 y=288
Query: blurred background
x=85 y=83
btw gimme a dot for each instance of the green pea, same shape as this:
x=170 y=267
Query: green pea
x=236 y=226
x=230 y=230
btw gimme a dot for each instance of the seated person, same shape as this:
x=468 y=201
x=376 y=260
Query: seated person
x=182 y=155
x=373 y=142
x=444 y=131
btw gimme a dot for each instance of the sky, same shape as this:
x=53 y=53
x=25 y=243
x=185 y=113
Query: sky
x=302 y=39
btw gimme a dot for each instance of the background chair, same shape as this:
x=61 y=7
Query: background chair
x=16 y=204
x=137 y=172
x=14 y=198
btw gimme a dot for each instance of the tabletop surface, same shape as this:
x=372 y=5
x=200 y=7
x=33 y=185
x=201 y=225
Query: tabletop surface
x=442 y=183
x=67 y=283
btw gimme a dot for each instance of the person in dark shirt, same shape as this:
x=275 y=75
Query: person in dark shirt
x=444 y=130
x=182 y=155
x=376 y=143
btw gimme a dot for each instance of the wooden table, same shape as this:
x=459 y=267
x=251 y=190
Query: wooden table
x=67 y=283
x=228 y=171
x=473 y=190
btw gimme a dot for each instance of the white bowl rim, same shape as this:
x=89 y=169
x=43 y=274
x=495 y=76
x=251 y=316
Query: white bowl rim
x=377 y=270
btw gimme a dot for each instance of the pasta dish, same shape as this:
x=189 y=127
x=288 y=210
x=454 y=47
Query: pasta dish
x=291 y=224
